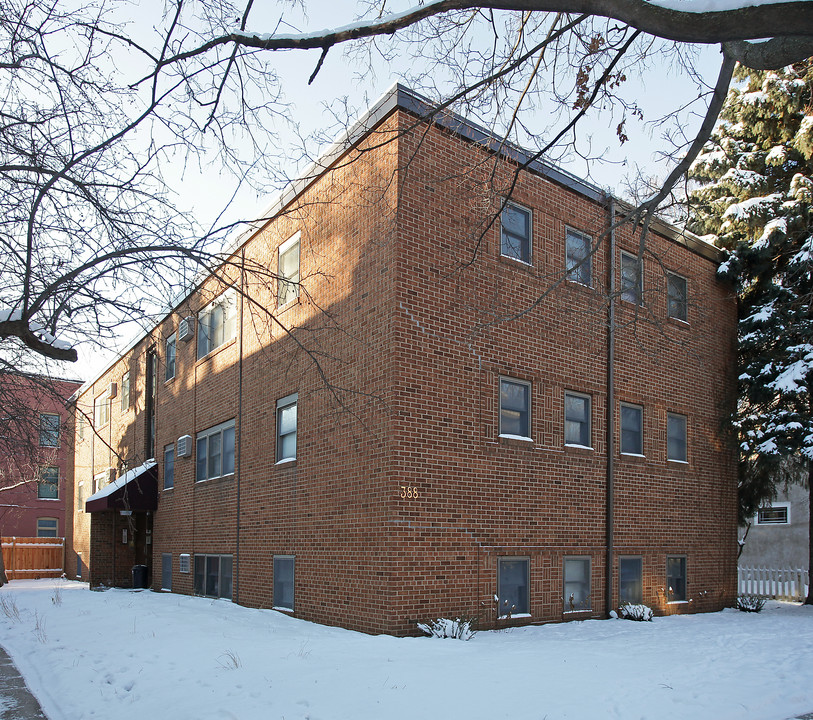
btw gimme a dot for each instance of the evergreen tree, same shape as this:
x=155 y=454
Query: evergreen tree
x=753 y=194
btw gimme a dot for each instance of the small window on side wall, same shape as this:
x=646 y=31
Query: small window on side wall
x=577 y=584
x=515 y=408
x=217 y=323
x=630 y=580
x=578 y=261
x=48 y=484
x=515 y=236
x=577 y=419
x=677 y=297
x=676 y=437
x=288 y=271
x=169 y=467
x=286 y=427
x=631 y=278
x=125 y=391
x=676 y=579
x=284 y=582
x=49 y=430
x=170 y=353
x=512 y=586
x=775 y=514
x=166 y=571
x=632 y=429
x=47 y=527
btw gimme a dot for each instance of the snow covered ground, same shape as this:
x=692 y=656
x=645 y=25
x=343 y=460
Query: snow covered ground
x=123 y=654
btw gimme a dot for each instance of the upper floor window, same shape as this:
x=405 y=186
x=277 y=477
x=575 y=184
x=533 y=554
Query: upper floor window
x=632 y=277
x=676 y=437
x=288 y=271
x=214 y=452
x=286 y=427
x=101 y=410
x=169 y=356
x=632 y=429
x=579 y=259
x=515 y=408
x=775 y=514
x=515 y=237
x=169 y=467
x=217 y=323
x=49 y=430
x=677 y=297
x=48 y=483
x=125 y=391
x=577 y=419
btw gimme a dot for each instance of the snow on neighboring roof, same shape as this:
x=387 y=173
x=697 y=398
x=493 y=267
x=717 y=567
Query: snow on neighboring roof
x=108 y=490
x=703 y=6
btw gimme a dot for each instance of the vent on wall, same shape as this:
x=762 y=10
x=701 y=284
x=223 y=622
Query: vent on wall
x=112 y=390
x=186 y=328
x=184 y=446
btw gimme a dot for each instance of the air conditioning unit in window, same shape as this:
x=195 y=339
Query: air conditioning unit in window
x=186 y=328
x=184 y=446
x=112 y=390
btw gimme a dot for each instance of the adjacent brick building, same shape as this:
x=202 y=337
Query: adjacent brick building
x=407 y=395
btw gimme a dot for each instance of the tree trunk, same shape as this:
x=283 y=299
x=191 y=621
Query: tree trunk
x=3 y=578
x=809 y=599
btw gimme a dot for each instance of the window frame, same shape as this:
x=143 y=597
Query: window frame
x=283 y=583
x=221 y=431
x=783 y=505
x=80 y=497
x=55 y=527
x=211 y=337
x=681 y=301
x=632 y=293
x=517 y=256
x=640 y=409
x=520 y=611
x=582 y=264
x=125 y=392
x=671 y=595
x=101 y=410
x=639 y=580
x=170 y=356
x=169 y=476
x=47 y=433
x=288 y=285
x=202 y=589
x=589 y=420
x=184 y=563
x=42 y=482
x=670 y=450
x=166 y=559
x=585 y=605
x=283 y=404
x=504 y=379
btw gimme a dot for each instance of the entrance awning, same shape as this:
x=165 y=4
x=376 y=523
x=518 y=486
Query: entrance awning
x=137 y=489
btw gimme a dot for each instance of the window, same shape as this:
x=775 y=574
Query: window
x=284 y=582
x=78 y=565
x=81 y=425
x=217 y=323
x=631 y=278
x=101 y=411
x=286 y=428
x=515 y=239
x=775 y=514
x=80 y=497
x=515 y=408
x=676 y=437
x=632 y=434
x=47 y=527
x=169 y=356
x=213 y=576
x=125 y=391
x=215 y=452
x=577 y=419
x=169 y=467
x=48 y=484
x=676 y=579
x=578 y=257
x=49 y=430
x=512 y=586
x=100 y=480
x=630 y=580
x=288 y=271
x=183 y=562
x=577 y=584
x=677 y=297
x=166 y=571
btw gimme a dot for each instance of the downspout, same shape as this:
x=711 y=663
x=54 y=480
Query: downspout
x=608 y=573
x=239 y=438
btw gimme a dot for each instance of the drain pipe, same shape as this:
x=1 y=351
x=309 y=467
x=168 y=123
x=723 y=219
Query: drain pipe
x=610 y=420
x=239 y=437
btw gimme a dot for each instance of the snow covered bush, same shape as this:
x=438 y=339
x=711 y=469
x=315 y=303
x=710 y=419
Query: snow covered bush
x=629 y=611
x=750 y=603
x=459 y=628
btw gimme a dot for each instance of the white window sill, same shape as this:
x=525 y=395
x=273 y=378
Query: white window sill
x=679 y=462
x=216 y=477
x=677 y=602
x=576 y=445
x=517 y=437
x=284 y=461
x=514 y=615
x=517 y=260
x=633 y=454
x=49 y=499
x=573 y=612
x=283 y=609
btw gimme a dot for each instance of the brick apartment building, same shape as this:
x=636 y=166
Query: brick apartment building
x=400 y=400
x=35 y=449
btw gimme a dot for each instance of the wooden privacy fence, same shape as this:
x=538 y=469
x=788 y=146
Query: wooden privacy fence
x=778 y=583
x=31 y=558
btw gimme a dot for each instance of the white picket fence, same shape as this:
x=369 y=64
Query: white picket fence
x=778 y=583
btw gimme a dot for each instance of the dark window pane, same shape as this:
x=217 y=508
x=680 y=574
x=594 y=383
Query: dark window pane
x=228 y=450
x=166 y=571
x=676 y=578
x=630 y=585
x=284 y=582
x=677 y=297
x=577 y=584
x=214 y=455
x=514 y=409
x=676 y=437
x=513 y=587
x=200 y=458
x=516 y=233
x=578 y=260
x=225 y=576
x=212 y=575
x=200 y=571
x=577 y=420
x=631 y=430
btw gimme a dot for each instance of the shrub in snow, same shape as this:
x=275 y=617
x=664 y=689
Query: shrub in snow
x=750 y=603
x=459 y=628
x=636 y=612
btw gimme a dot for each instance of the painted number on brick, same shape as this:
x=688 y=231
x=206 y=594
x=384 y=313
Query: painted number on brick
x=408 y=492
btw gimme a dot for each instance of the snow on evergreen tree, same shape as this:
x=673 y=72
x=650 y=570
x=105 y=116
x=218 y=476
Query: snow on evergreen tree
x=754 y=193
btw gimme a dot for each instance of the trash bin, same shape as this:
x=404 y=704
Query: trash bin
x=139 y=576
